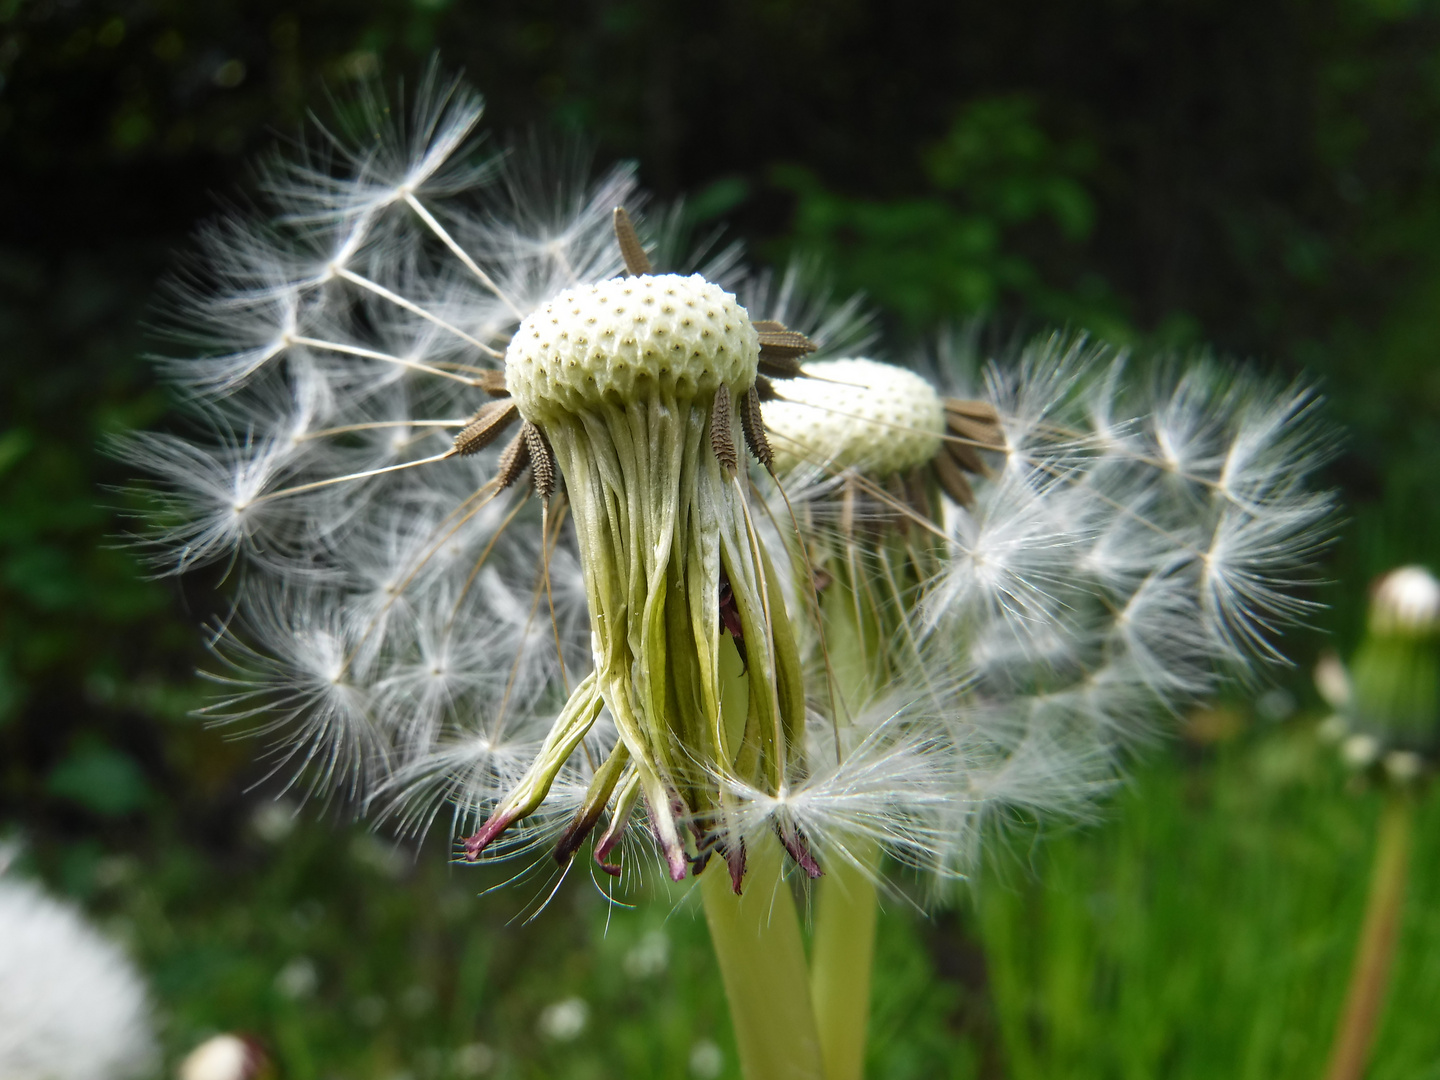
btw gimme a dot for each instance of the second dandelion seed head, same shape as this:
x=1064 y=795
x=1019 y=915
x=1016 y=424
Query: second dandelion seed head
x=856 y=412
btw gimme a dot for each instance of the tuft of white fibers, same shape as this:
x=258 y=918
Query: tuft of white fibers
x=1173 y=513
x=72 y=1005
x=1136 y=541
x=387 y=607
x=413 y=634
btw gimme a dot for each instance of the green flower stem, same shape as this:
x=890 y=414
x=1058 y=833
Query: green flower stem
x=843 y=954
x=762 y=961
x=1360 y=1018
x=843 y=945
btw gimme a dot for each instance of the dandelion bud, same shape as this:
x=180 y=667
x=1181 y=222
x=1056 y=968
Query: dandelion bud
x=1406 y=601
x=1396 y=671
x=630 y=382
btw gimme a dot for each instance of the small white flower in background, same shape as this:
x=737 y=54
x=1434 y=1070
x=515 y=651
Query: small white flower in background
x=707 y=1061
x=1360 y=751
x=564 y=1021
x=224 y=1057
x=1404 y=766
x=274 y=820
x=417 y=1000
x=649 y=956
x=473 y=1059
x=380 y=856
x=423 y=335
x=298 y=979
x=1275 y=704
x=1333 y=729
x=1333 y=681
x=72 y=1005
x=370 y=1010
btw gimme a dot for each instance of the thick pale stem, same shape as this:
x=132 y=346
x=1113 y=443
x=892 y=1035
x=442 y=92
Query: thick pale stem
x=762 y=961
x=843 y=945
x=1370 y=975
x=843 y=953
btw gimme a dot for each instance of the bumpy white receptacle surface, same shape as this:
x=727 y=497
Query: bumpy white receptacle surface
x=620 y=339
x=869 y=415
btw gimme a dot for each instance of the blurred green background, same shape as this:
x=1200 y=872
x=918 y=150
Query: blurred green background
x=1263 y=179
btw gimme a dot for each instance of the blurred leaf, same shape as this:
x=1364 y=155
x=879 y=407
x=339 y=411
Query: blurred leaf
x=718 y=198
x=14 y=445
x=100 y=779
x=956 y=250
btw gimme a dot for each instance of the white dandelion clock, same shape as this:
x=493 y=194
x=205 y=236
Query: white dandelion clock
x=1034 y=575
x=1038 y=568
x=493 y=489
x=72 y=1005
x=391 y=365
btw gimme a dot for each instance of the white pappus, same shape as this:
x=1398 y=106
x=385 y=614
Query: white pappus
x=72 y=1005
x=1068 y=556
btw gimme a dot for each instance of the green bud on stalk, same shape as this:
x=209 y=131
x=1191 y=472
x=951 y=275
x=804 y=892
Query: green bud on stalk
x=1395 y=674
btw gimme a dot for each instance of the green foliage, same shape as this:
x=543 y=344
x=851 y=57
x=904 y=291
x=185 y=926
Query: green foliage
x=100 y=779
x=959 y=249
x=349 y=956
x=1208 y=929
x=1204 y=930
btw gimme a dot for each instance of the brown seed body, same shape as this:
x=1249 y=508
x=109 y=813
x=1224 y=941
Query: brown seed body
x=631 y=250
x=722 y=438
x=753 y=424
x=514 y=460
x=488 y=423
x=542 y=461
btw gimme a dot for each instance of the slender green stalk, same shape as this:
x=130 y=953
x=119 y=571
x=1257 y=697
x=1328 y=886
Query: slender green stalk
x=843 y=945
x=762 y=961
x=1360 y=1018
x=843 y=954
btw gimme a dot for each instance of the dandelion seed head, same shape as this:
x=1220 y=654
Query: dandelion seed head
x=856 y=412
x=72 y=1005
x=961 y=608
x=666 y=334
